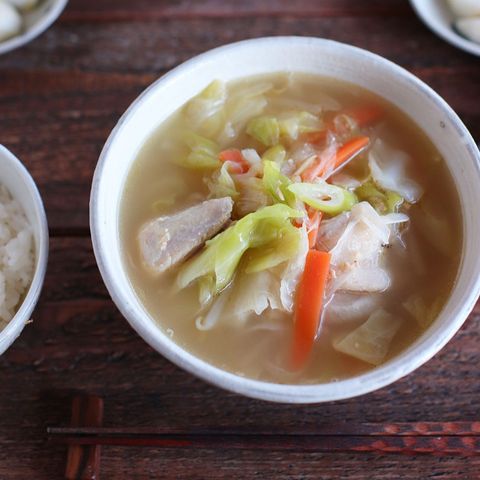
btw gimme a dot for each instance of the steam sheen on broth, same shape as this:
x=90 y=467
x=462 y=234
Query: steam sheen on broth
x=295 y=153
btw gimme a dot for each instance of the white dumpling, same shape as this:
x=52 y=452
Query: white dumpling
x=469 y=28
x=23 y=4
x=465 y=8
x=10 y=21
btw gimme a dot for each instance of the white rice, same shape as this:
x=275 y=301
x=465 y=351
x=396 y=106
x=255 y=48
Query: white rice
x=16 y=256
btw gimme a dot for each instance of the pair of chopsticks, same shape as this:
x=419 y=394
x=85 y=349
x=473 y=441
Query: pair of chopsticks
x=86 y=435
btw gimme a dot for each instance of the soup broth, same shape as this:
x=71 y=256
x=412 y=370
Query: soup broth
x=417 y=264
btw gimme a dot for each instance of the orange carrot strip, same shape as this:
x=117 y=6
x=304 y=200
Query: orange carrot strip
x=365 y=115
x=350 y=149
x=239 y=164
x=309 y=304
x=345 y=153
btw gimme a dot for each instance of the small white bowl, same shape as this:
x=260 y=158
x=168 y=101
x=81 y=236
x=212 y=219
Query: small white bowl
x=23 y=189
x=36 y=22
x=436 y=14
x=298 y=54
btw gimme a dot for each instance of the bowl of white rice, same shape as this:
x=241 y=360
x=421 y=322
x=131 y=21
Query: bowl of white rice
x=23 y=247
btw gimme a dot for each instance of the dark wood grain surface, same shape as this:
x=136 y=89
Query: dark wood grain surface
x=59 y=98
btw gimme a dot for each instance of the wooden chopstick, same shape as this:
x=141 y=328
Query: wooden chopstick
x=437 y=438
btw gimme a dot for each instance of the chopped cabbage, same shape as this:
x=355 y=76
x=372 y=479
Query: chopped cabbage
x=370 y=342
x=435 y=229
x=293 y=272
x=283 y=247
x=254 y=293
x=252 y=195
x=265 y=129
x=344 y=180
x=383 y=202
x=205 y=112
x=330 y=230
x=203 y=152
x=239 y=111
x=217 y=262
x=276 y=184
x=251 y=156
x=324 y=197
x=221 y=184
x=424 y=315
x=364 y=279
x=387 y=167
x=348 y=308
x=248 y=294
x=293 y=124
x=276 y=154
x=215 y=312
x=357 y=254
x=395 y=218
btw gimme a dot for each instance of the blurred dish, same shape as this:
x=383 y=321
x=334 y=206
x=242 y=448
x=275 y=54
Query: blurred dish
x=441 y=19
x=23 y=20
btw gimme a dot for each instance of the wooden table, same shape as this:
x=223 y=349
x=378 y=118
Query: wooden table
x=59 y=98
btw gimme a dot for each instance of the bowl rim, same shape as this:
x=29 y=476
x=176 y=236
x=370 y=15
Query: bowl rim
x=446 y=32
x=38 y=28
x=282 y=393
x=13 y=329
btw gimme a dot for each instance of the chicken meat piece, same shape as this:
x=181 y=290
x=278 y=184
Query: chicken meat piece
x=168 y=240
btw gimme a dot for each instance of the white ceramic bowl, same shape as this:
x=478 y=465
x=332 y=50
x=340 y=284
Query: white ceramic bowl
x=436 y=14
x=36 y=22
x=22 y=187
x=266 y=55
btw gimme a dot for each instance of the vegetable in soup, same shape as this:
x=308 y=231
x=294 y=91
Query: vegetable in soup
x=291 y=228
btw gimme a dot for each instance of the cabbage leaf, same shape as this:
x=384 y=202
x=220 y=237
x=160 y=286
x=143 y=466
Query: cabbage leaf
x=292 y=124
x=216 y=264
x=203 y=152
x=265 y=129
x=423 y=314
x=370 y=342
x=276 y=184
x=276 y=154
x=387 y=168
x=205 y=112
x=221 y=184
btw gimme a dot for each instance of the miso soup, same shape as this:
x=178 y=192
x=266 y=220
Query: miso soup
x=291 y=228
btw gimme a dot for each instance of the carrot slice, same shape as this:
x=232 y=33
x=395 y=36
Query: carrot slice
x=351 y=149
x=239 y=164
x=309 y=304
x=365 y=115
x=314 y=217
x=345 y=153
